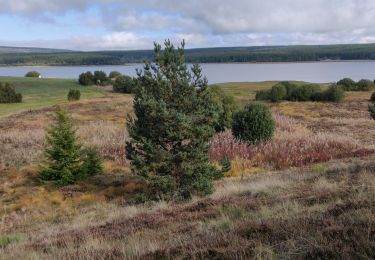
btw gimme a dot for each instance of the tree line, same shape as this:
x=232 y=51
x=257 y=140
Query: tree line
x=204 y=55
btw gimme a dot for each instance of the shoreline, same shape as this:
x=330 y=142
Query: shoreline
x=216 y=63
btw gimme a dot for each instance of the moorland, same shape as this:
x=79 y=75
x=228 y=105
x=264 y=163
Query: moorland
x=308 y=193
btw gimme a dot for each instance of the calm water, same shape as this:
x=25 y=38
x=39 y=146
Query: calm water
x=231 y=72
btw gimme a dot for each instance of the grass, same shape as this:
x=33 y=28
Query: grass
x=38 y=93
x=292 y=214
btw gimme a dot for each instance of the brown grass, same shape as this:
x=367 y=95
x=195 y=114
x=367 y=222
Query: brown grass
x=290 y=214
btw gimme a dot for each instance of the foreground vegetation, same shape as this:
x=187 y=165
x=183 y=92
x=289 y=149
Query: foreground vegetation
x=296 y=53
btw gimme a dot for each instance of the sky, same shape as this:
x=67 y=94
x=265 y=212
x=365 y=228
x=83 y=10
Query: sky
x=135 y=24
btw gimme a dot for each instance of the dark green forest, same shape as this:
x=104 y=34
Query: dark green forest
x=294 y=53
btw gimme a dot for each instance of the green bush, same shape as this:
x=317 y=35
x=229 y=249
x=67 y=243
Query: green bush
x=253 y=124
x=86 y=79
x=304 y=92
x=347 y=84
x=365 y=85
x=262 y=95
x=334 y=93
x=226 y=107
x=66 y=162
x=114 y=74
x=74 y=94
x=100 y=78
x=32 y=74
x=124 y=84
x=278 y=92
x=8 y=94
x=290 y=87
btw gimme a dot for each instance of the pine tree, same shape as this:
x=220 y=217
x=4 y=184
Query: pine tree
x=63 y=154
x=169 y=138
x=92 y=164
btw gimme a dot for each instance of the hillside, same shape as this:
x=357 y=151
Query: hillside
x=309 y=193
x=296 y=53
x=9 y=49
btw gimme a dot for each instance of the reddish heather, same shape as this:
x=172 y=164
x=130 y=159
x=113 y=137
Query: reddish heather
x=292 y=145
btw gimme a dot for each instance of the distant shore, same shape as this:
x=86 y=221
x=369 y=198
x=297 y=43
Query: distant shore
x=140 y=63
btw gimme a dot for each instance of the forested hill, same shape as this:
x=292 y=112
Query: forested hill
x=203 y=55
x=12 y=50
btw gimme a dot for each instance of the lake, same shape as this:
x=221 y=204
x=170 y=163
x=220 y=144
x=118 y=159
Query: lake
x=318 y=72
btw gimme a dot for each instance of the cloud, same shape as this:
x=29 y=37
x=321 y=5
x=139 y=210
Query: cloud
x=132 y=24
x=43 y=6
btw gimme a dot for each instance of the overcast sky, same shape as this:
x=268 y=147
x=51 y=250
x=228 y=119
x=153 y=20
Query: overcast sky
x=136 y=24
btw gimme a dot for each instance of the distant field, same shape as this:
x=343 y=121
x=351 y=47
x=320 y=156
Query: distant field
x=38 y=93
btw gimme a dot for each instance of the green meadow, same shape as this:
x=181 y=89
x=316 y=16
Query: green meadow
x=39 y=93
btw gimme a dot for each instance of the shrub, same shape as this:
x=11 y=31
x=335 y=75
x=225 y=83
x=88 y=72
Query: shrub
x=173 y=124
x=8 y=94
x=334 y=93
x=100 y=78
x=86 y=79
x=114 y=74
x=65 y=161
x=262 y=95
x=74 y=94
x=278 y=92
x=347 y=84
x=304 y=92
x=254 y=124
x=289 y=87
x=32 y=74
x=226 y=106
x=372 y=97
x=365 y=85
x=124 y=84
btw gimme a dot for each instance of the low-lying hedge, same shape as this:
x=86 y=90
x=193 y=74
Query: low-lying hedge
x=350 y=85
x=307 y=92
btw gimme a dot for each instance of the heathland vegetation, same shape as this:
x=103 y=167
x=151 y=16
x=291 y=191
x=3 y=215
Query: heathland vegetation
x=279 y=179
x=296 y=53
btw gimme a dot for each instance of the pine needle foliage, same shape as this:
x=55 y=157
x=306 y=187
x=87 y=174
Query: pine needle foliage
x=169 y=137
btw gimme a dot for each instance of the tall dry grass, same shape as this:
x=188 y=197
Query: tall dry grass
x=292 y=145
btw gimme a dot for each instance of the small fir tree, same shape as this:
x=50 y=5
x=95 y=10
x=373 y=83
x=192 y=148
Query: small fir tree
x=66 y=161
x=92 y=163
x=169 y=138
x=63 y=154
